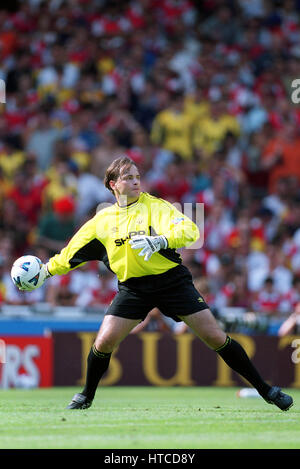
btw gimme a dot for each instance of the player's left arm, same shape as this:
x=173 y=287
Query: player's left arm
x=179 y=230
x=84 y=246
x=75 y=253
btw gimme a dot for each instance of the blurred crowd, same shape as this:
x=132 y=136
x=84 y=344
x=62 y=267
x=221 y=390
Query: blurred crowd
x=200 y=97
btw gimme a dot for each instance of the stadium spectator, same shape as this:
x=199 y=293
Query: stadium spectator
x=281 y=155
x=141 y=151
x=196 y=103
x=105 y=152
x=218 y=225
x=268 y=299
x=62 y=181
x=172 y=186
x=210 y=132
x=222 y=26
x=172 y=128
x=145 y=106
x=102 y=296
x=57 y=226
x=27 y=192
x=15 y=227
x=74 y=289
x=291 y=324
x=11 y=159
x=40 y=139
x=291 y=298
x=88 y=189
x=60 y=293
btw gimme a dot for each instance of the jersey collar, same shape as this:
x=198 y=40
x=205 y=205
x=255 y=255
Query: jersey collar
x=133 y=204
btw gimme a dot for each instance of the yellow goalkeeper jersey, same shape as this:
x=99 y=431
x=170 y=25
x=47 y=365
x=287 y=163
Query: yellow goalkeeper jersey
x=105 y=237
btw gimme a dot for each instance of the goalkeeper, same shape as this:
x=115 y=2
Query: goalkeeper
x=137 y=238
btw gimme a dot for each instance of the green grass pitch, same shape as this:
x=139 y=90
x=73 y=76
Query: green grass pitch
x=146 y=418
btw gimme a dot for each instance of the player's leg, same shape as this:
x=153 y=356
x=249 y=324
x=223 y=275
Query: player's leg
x=205 y=326
x=111 y=333
x=124 y=313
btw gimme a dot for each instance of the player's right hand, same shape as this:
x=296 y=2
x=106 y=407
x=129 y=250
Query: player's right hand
x=44 y=274
x=148 y=244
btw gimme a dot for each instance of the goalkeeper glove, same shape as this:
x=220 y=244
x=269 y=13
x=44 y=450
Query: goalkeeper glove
x=45 y=272
x=148 y=244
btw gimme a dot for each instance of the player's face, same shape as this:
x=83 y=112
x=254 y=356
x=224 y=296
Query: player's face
x=128 y=185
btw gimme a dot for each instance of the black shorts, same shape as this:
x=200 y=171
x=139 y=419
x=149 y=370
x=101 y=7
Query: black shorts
x=172 y=292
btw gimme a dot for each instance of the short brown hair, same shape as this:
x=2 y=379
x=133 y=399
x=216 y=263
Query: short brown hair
x=115 y=169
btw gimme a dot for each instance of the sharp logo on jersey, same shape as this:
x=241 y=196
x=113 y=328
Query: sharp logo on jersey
x=121 y=241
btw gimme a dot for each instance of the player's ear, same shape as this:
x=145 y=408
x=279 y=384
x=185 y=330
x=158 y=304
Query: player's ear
x=112 y=184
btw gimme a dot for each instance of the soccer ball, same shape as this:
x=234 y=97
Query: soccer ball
x=27 y=273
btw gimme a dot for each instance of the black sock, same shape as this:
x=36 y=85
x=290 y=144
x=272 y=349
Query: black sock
x=235 y=356
x=97 y=364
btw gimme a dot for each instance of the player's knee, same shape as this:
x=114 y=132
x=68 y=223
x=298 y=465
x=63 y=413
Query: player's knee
x=105 y=344
x=214 y=338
